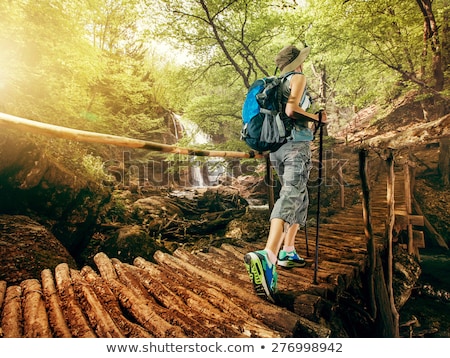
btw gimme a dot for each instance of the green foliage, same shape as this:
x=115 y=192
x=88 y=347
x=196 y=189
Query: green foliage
x=215 y=114
x=99 y=65
x=116 y=210
x=93 y=166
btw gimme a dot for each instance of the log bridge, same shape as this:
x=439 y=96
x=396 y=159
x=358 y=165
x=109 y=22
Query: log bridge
x=207 y=294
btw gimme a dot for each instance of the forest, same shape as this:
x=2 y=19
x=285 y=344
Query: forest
x=139 y=68
x=119 y=66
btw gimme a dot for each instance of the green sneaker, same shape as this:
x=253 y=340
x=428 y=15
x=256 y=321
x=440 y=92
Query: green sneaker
x=290 y=259
x=262 y=274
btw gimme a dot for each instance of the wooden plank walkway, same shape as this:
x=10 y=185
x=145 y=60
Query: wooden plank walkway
x=194 y=294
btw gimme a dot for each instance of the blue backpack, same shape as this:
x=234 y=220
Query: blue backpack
x=264 y=126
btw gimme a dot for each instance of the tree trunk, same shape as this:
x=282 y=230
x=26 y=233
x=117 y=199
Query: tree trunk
x=431 y=31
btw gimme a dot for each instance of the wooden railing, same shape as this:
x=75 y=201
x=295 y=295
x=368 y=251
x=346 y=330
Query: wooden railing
x=91 y=137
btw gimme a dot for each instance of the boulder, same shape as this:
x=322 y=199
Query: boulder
x=27 y=248
x=36 y=183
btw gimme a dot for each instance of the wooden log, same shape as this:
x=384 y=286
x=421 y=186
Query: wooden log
x=105 y=266
x=164 y=288
x=111 y=304
x=340 y=249
x=283 y=321
x=308 y=306
x=143 y=313
x=98 y=316
x=11 y=322
x=347 y=272
x=411 y=247
x=131 y=281
x=77 y=322
x=35 y=319
x=213 y=308
x=176 y=311
x=55 y=313
x=351 y=227
x=137 y=305
x=216 y=264
x=190 y=326
x=2 y=294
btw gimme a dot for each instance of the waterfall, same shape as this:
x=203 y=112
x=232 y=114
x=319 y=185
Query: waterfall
x=202 y=172
x=175 y=121
x=196 y=174
x=192 y=130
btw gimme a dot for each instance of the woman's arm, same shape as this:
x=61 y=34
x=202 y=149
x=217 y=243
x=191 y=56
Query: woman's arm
x=293 y=109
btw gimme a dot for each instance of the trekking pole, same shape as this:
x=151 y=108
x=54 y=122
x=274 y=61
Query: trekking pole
x=316 y=261
x=306 y=238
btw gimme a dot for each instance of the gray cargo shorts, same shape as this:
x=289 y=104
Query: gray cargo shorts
x=292 y=163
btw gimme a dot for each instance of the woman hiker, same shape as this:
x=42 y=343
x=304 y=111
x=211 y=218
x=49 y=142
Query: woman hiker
x=292 y=162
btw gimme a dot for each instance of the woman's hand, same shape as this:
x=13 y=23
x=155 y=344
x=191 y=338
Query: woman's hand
x=324 y=116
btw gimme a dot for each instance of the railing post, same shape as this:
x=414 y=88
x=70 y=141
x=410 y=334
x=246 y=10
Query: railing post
x=341 y=183
x=390 y=225
x=407 y=176
x=368 y=228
